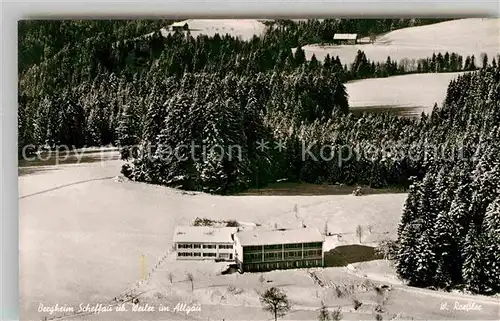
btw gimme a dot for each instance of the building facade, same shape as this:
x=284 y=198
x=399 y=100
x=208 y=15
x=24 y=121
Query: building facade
x=204 y=243
x=345 y=38
x=179 y=26
x=278 y=249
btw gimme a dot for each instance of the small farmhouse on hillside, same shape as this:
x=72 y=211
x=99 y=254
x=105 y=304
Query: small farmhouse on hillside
x=204 y=242
x=179 y=26
x=278 y=249
x=345 y=38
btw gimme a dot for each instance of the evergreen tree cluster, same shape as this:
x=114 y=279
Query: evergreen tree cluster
x=76 y=96
x=363 y=68
x=125 y=93
x=42 y=39
x=322 y=145
x=449 y=235
x=69 y=52
x=202 y=132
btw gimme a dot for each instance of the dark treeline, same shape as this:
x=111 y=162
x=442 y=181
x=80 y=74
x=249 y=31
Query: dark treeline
x=76 y=97
x=72 y=51
x=231 y=112
x=42 y=39
x=70 y=98
x=363 y=68
x=449 y=235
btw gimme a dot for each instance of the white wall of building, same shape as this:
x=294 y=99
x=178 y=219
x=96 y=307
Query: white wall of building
x=238 y=249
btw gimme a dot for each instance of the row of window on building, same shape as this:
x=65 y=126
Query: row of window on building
x=286 y=246
x=280 y=256
x=207 y=254
x=205 y=246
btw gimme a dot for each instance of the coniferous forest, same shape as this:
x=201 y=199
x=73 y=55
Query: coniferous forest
x=95 y=83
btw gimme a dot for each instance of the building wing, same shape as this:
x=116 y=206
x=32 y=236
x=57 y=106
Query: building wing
x=203 y=234
x=302 y=235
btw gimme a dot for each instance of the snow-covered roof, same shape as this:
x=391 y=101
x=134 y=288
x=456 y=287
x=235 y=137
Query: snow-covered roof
x=301 y=235
x=178 y=24
x=345 y=36
x=203 y=234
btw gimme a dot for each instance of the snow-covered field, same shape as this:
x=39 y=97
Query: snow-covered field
x=83 y=243
x=464 y=36
x=243 y=28
x=416 y=91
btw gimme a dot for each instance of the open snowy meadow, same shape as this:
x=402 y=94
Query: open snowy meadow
x=242 y=28
x=464 y=36
x=84 y=232
x=403 y=94
x=415 y=93
x=412 y=94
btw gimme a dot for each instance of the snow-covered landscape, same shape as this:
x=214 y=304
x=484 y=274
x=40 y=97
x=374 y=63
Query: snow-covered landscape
x=82 y=244
x=400 y=91
x=241 y=28
x=472 y=36
x=98 y=230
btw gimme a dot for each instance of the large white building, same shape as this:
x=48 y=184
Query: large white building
x=204 y=242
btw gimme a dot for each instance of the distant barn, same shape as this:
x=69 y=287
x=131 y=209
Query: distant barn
x=345 y=38
x=179 y=26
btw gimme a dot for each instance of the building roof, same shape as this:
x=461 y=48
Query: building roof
x=178 y=24
x=302 y=235
x=345 y=36
x=203 y=234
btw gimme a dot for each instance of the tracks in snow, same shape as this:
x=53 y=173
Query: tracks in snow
x=129 y=296
x=66 y=185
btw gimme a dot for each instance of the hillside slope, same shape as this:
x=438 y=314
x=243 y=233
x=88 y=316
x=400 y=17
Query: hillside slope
x=83 y=242
x=404 y=92
x=463 y=36
x=243 y=28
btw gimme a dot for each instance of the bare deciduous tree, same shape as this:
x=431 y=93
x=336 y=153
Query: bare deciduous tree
x=359 y=232
x=276 y=302
x=190 y=278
